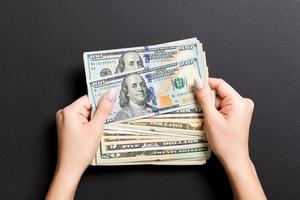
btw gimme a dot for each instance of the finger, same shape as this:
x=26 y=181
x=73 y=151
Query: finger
x=59 y=118
x=80 y=104
x=59 y=115
x=85 y=113
x=103 y=109
x=83 y=119
x=226 y=110
x=218 y=102
x=223 y=89
x=205 y=99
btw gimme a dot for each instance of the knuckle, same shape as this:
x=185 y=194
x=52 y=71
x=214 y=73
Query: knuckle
x=249 y=103
x=221 y=80
x=66 y=110
x=58 y=113
x=104 y=109
x=203 y=96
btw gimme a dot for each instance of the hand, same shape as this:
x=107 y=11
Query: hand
x=227 y=129
x=78 y=140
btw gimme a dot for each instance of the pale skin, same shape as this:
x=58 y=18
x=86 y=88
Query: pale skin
x=227 y=128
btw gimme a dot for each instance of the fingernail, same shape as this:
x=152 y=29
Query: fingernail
x=111 y=95
x=198 y=83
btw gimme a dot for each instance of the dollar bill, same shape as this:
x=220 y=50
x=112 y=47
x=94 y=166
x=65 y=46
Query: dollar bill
x=192 y=119
x=187 y=128
x=136 y=131
x=130 y=146
x=164 y=154
x=161 y=162
x=151 y=140
x=108 y=62
x=137 y=138
x=144 y=93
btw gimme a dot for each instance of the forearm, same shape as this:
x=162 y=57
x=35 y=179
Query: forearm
x=244 y=180
x=63 y=186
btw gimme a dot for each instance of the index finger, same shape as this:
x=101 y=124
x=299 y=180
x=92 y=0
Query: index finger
x=222 y=88
x=82 y=102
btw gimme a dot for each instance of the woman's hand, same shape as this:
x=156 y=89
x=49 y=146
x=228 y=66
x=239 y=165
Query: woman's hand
x=78 y=140
x=227 y=123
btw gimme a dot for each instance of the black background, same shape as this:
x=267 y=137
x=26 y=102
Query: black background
x=253 y=45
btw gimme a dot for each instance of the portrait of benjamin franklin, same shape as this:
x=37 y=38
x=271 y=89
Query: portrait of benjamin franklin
x=134 y=98
x=129 y=61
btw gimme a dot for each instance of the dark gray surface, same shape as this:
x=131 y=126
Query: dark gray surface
x=254 y=45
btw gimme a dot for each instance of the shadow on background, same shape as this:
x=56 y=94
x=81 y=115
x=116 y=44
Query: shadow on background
x=211 y=173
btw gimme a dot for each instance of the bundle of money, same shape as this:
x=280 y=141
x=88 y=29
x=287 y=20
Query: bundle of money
x=155 y=119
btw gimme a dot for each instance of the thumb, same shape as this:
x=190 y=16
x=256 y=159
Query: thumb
x=205 y=99
x=104 y=107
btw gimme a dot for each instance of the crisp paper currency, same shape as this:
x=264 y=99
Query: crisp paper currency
x=167 y=127
x=165 y=154
x=137 y=138
x=190 y=114
x=154 y=130
x=171 y=162
x=152 y=146
x=129 y=146
x=164 y=162
x=116 y=139
x=137 y=131
x=193 y=119
x=108 y=62
x=131 y=131
x=145 y=93
x=179 y=116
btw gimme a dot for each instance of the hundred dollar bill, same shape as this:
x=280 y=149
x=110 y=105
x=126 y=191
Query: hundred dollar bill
x=145 y=93
x=103 y=63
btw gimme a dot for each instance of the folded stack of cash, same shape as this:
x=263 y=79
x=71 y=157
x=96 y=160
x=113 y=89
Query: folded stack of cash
x=155 y=119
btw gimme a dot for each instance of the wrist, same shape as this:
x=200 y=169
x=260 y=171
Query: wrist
x=63 y=185
x=239 y=165
x=68 y=175
x=244 y=180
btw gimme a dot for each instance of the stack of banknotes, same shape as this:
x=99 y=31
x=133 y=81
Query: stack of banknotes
x=155 y=118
